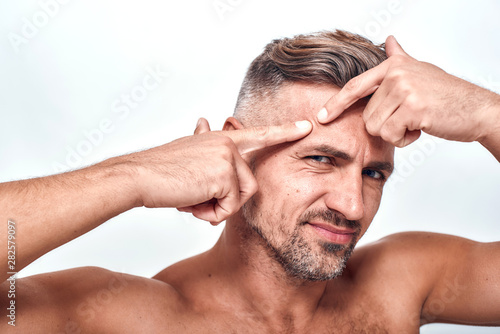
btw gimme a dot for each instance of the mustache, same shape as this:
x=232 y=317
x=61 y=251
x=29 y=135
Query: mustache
x=330 y=217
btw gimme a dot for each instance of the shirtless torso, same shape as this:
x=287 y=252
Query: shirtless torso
x=384 y=289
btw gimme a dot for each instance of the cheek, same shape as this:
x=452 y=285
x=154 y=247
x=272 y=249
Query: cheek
x=371 y=199
x=284 y=194
x=286 y=183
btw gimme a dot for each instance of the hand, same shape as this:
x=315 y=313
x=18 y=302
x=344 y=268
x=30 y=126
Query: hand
x=205 y=174
x=410 y=96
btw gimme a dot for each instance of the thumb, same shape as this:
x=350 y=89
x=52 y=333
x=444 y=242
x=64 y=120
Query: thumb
x=392 y=47
x=202 y=126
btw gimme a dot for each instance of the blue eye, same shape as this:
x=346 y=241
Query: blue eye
x=373 y=174
x=320 y=158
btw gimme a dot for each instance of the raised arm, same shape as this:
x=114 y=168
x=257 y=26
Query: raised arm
x=205 y=168
x=50 y=211
x=410 y=96
x=458 y=279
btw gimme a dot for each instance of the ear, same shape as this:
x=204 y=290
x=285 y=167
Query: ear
x=232 y=124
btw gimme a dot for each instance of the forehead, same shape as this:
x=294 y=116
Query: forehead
x=302 y=101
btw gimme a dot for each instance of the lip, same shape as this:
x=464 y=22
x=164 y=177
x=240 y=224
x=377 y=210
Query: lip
x=335 y=234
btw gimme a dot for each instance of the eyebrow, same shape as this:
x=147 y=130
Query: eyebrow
x=382 y=166
x=332 y=151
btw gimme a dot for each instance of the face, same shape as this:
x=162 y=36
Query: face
x=317 y=196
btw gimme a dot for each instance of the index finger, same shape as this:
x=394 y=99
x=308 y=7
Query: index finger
x=354 y=90
x=256 y=138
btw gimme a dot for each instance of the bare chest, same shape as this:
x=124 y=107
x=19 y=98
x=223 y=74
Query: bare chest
x=238 y=322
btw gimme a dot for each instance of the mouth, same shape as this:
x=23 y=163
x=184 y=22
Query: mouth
x=332 y=233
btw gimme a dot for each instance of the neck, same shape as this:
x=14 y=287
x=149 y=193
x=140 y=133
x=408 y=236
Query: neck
x=259 y=281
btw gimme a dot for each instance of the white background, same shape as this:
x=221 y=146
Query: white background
x=66 y=77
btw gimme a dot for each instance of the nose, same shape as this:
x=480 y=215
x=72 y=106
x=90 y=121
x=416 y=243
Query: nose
x=345 y=195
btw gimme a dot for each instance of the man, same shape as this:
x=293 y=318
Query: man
x=298 y=174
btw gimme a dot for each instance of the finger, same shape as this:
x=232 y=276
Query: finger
x=392 y=47
x=217 y=210
x=400 y=129
x=247 y=182
x=410 y=137
x=225 y=201
x=205 y=211
x=202 y=126
x=246 y=188
x=200 y=210
x=252 y=139
x=187 y=209
x=381 y=106
x=357 y=88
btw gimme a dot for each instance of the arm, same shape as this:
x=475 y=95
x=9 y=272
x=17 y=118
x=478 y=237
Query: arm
x=51 y=211
x=464 y=282
x=433 y=278
x=410 y=96
x=448 y=279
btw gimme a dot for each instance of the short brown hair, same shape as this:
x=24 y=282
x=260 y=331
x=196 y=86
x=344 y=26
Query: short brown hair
x=326 y=57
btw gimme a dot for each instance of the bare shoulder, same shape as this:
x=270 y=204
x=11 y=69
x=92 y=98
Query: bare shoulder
x=402 y=268
x=89 y=300
x=190 y=278
x=410 y=249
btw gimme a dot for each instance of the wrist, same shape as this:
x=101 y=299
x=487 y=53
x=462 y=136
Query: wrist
x=490 y=134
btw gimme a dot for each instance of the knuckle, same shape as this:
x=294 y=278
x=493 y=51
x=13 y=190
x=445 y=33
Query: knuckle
x=406 y=87
x=353 y=85
x=415 y=103
x=387 y=134
x=396 y=74
x=399 y=59
x=226 y=169
x=225 y=148
x=372 y=128
x=261 y=132
x=226 y=153
x=225 y=141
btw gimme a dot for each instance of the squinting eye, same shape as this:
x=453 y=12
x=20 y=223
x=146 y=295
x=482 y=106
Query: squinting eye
x=373 y=174
x=320 y=158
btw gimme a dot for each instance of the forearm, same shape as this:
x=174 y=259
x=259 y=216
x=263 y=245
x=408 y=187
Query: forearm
x=51 y=211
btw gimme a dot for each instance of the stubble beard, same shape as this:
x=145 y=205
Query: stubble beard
x=302 y=259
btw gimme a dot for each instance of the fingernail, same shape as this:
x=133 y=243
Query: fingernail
x=322 y=115
x=303 y=124
x=199 y=122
